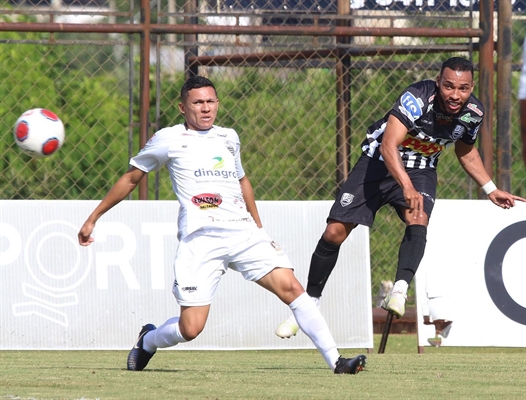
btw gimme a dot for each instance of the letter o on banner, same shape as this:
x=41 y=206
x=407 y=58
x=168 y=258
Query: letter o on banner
x=493 y=271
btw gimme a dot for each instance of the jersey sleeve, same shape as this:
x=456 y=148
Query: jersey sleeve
x=234 y=138
x=154 y=154
x=472 y=117
x=471 y=136
x=410 y=105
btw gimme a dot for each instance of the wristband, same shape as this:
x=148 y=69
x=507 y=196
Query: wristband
x=489 y=187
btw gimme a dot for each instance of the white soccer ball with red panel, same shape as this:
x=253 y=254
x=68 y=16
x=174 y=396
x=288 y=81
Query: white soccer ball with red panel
x=39 y=133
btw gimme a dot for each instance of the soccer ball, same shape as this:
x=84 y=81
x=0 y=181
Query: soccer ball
x=39 y=132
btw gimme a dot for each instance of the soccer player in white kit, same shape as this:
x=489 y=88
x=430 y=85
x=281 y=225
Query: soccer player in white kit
x=218 y=229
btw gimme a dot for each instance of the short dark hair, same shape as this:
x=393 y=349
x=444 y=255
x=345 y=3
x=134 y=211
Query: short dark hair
x=195 y=82
x=457 y=64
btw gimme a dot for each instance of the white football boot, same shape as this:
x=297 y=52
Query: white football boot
x=290 y=327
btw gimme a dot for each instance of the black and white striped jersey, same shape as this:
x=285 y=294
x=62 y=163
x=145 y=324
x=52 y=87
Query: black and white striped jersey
x=430 y=130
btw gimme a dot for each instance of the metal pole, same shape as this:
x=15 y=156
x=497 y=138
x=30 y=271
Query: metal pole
x=144 y=88
x=486 y=78
x=158 y=56
x=189 y=28
x=504 y=56
x=343 y=100
x=385 y=332
x=190 y=51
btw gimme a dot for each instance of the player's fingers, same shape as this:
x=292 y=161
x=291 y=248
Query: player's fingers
x=421 y=206
x=415 y=208
x=84 y=240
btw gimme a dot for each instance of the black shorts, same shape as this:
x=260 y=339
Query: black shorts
x=370 y=186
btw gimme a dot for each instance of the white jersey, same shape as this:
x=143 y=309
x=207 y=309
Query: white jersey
x=522 y=82
x=205 y=169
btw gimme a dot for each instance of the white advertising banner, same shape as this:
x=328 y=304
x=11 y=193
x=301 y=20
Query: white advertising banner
x=474 y=274
x=56 y=294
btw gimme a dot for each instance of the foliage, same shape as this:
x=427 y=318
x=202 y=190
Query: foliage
x=93 y=111
x=285 y=118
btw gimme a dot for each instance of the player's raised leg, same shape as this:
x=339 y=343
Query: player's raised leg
x=322 y=263
x=283 y=283
x=410 y=254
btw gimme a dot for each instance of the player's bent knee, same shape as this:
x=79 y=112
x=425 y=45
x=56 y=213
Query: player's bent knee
x=292 y=291
x=190 y=333
x=336 y=232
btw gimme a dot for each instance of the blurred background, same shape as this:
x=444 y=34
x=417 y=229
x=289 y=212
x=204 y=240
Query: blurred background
x=300 y=81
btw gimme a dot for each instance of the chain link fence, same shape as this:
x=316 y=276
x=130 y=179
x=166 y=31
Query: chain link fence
x=296 y=94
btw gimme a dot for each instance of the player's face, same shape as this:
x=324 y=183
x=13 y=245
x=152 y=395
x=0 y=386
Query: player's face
x=454 y=89
x=200 y=108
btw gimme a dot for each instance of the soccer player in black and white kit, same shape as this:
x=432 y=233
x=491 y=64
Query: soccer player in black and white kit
x=219 y=228
x=398 y=167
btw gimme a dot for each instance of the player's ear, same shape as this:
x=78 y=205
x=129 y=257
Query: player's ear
x=181 y=108
x=437 y=82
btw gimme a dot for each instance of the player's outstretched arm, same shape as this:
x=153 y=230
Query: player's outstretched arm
x=122 y=188
x=504 y=199
x=470 y=160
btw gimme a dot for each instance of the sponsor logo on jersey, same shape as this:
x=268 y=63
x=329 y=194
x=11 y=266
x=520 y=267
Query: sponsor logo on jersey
x=346 y=199
x=475 y=132
x=474 y=108
x=412 y=104
x=444 y=119
x=239 y=202
x=467 y=118
x=207 y=200
x=219 y=164
x=199 y=173
x=189 y=288
x=216 y=171
x=424 y=148
x=458 y=132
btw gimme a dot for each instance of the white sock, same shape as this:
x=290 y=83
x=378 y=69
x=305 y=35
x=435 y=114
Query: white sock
x=401 y=286
x=316 y=300
x=166 y=335
x=313 y=324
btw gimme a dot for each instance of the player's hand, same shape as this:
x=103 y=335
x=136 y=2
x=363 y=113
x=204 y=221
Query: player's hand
x=415 y=202
x=504 y=199
x=84 y=234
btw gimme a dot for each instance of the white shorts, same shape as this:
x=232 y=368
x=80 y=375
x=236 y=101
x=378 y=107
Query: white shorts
x=205 y=255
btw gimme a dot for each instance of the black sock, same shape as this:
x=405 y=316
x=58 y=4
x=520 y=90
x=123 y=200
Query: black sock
x=321 y=265
x=411 y=252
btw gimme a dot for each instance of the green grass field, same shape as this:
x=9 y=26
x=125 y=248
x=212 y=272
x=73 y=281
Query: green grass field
x=399 y=373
